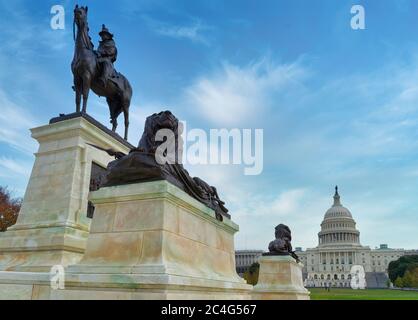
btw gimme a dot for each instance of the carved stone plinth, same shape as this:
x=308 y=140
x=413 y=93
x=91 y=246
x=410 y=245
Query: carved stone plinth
x=153 y=241
x=53 y=227
x=280 y=278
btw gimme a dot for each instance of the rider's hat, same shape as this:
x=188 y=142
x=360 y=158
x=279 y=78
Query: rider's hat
x=105 y=31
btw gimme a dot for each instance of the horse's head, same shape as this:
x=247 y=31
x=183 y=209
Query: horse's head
x=80 y=15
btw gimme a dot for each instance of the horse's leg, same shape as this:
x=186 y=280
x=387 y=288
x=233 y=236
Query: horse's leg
x=115 y=114
x=113 y=118
x=126 y=115
x=114 y=124
x=86 y=90
x=77 y=89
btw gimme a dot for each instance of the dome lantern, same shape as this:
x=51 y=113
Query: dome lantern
x=337 y=201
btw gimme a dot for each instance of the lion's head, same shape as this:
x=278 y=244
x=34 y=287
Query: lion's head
x=283 y=232
x=154 y=124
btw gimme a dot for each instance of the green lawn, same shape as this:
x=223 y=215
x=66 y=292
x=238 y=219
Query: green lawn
x=370 y=294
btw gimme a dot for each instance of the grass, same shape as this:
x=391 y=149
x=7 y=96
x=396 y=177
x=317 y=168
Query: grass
x=368 y=294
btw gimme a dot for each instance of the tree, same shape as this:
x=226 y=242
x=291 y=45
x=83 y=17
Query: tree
x=407 y=279
x=415 y=278
x=9 y=209
x=398 y=282
x=410 y=279
x=398 y=268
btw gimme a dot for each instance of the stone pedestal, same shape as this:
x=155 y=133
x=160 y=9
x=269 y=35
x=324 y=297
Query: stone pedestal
x=153 y=241
x=280 y=278
x=53 y=227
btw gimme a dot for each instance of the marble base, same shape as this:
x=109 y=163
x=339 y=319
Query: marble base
x=153 y=241
x=280 y=278
x=52 y=227
x=36 y=286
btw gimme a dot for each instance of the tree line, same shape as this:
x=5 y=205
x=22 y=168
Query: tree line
x=404 y=272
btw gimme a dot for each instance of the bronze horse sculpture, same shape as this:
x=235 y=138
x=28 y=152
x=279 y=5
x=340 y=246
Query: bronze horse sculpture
x=87 y=70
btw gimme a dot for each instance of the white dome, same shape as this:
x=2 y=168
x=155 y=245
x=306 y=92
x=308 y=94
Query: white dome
x=338 y=212
x=338 y=226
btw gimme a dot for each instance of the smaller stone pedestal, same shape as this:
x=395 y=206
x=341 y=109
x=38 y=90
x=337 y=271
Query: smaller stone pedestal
x=280 y=278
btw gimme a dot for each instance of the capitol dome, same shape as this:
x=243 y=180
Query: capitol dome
x=337 y=210
x=338 y=226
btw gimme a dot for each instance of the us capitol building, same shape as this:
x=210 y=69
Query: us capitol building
x=339 y=249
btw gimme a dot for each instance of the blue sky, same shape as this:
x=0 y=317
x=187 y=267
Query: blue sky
x=337 y=106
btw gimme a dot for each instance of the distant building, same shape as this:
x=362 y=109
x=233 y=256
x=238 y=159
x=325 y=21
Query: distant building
x=411 y=252
x=245 y=258
x=339 y=249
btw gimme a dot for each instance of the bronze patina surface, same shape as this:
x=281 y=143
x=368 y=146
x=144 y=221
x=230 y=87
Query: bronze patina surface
x=94 y=70
x=282 y=246
x=140 y=165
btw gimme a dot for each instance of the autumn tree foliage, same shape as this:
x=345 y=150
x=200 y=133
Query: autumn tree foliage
x=9 y=209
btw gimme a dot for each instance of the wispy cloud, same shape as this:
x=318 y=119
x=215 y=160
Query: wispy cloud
x=259 y=215
x=194 y=31
x=234 y=94
x=358 y=131
x=13 y=167
x=24 y=38
x=14 y=173
x=15 y=123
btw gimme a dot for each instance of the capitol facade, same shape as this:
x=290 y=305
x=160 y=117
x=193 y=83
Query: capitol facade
x=339 y=249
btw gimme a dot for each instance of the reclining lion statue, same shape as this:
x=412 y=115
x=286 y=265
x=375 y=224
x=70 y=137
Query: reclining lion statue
x=141 y=165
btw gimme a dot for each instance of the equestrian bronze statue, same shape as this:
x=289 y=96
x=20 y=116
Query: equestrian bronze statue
x=94 y=70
